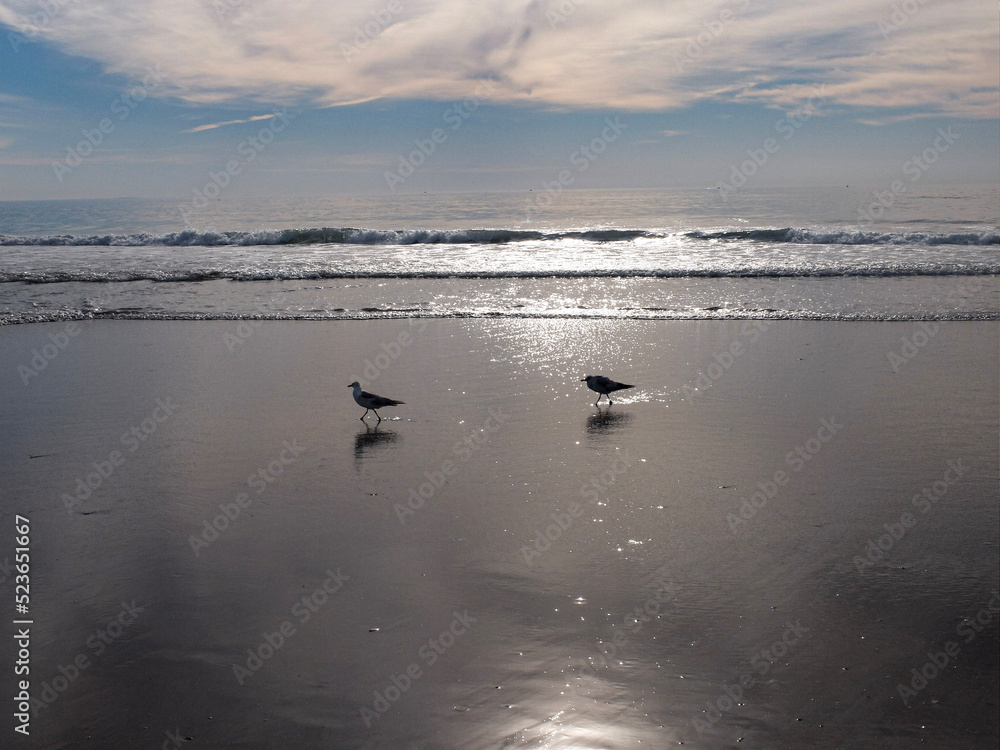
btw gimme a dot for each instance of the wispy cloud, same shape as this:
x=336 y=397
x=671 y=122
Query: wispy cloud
x=116 y=157
x=212 y=126
x=940 y=59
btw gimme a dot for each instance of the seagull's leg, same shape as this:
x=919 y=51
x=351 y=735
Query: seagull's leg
x=362 y=417
x=598 y=399
x=376 y=414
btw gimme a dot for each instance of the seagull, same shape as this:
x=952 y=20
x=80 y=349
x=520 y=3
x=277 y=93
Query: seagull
x=602 y=385
x=371 y=401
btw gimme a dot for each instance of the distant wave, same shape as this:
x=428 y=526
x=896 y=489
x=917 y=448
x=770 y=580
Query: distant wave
x=355 y=236
x=850 y=237
x=324 y=235
x=291 y=274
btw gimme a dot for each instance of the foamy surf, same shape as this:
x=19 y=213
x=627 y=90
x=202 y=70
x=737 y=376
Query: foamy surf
x=363 y=236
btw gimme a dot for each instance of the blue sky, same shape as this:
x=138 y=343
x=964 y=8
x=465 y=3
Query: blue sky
x=105 y=98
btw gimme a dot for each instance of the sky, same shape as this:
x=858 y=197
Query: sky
x=166 y=98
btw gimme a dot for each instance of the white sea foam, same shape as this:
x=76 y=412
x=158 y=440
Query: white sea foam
x=354 y=236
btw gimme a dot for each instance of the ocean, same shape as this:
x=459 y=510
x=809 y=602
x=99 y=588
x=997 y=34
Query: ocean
x=798 y=254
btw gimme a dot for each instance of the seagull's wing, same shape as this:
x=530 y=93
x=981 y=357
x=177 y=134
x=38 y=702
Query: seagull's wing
x=379 y=401
x=608 y=384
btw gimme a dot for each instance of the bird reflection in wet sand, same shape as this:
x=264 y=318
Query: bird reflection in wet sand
x=606 y=420
x=370 y=439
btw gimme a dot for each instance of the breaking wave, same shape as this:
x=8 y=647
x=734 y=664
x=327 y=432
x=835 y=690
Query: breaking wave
x=324 y=235
x=356 y=236
x=850 y=237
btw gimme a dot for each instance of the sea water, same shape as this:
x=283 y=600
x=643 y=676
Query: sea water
x=672 y=254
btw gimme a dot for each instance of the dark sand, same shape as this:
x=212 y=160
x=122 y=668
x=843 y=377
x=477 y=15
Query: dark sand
x=477 y=630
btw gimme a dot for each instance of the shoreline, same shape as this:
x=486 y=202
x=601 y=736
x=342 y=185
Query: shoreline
x=566 y=297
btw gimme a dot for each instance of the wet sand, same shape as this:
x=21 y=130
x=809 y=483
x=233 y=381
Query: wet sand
x=771 y=539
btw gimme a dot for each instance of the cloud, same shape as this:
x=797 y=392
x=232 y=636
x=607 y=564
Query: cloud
x=6 y=141
x=17 y=112
x=119 y=157
x=941 y=59
x=214 y=125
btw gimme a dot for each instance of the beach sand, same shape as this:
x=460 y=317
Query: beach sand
x=500 y=563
